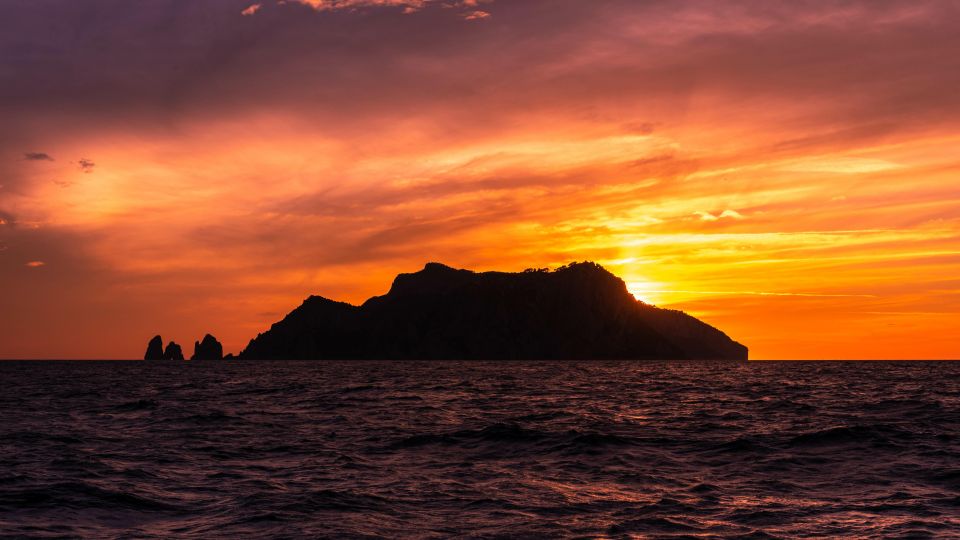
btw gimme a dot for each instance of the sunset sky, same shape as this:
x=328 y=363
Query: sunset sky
x=786 y=171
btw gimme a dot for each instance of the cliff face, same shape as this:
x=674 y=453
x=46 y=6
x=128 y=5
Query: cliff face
x=154 y=349
x=208 y=349
x=580 y=311
x=173 y=352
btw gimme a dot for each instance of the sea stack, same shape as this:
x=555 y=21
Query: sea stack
x=208 y=349
x=154 y=349
x=173 y=352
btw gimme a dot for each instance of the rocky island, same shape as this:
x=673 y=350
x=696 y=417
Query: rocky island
x=208 y=349
x=579 y=311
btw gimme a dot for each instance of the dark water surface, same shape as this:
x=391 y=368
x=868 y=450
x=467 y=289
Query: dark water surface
x=484 y=450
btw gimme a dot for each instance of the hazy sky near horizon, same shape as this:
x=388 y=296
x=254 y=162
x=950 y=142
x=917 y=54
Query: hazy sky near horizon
x=785 y=170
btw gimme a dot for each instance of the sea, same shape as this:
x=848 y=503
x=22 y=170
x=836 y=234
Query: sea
x=404 y=449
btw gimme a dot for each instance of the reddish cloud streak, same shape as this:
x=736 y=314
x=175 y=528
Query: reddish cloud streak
x=251 y=9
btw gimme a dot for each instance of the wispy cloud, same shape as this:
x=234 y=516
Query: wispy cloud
x=756 y=293
x=86 y=165
x=842 y=165
x=726 y=214
x=476 y=15
x=408 y=6
x=251 y=9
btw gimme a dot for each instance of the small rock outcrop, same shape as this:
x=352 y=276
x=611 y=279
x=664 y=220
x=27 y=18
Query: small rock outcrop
x=154 y=349
x=208 y=349
x=173 y=352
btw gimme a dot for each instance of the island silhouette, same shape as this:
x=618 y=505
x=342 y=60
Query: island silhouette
x=208 y=349
x=578 y=311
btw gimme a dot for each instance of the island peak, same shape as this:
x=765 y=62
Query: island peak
x=207 y=349
x=578 y=311
x=154 y=349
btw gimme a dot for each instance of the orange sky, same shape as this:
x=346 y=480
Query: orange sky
x=784 y=171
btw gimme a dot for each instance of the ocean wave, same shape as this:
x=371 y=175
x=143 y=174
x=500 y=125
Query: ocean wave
x=480 y=450
x=80 y=495
x=138 y=405
x=513 y=436
x=878 y=434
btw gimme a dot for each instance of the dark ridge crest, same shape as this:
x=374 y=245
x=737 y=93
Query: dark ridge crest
x=578 y=311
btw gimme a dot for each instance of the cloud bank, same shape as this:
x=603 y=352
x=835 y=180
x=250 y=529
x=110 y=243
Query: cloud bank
x=802 y=151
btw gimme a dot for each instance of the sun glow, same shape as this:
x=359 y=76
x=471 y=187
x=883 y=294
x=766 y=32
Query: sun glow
x=648 y=292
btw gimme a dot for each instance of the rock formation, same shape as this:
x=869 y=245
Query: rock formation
x=154 y=349
x=208 y=349
x=173 y=352
x=580 y=311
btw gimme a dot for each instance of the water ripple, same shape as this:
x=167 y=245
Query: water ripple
x=480 y=449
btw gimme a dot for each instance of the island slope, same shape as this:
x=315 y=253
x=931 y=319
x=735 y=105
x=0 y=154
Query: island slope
x=579 y=311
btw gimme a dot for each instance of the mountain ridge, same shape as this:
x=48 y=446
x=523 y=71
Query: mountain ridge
x=578 y=311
